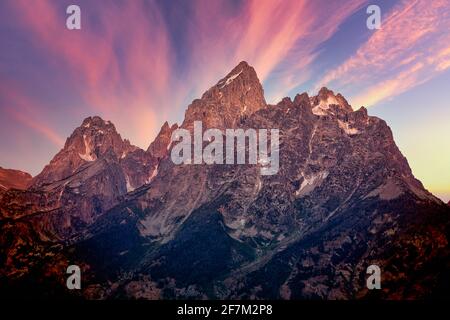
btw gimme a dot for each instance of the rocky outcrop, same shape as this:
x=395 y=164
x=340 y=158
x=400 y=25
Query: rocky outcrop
x=232 y=99
x=92 y=173
x=160 y=146
x=13 y=179
x=89 y=142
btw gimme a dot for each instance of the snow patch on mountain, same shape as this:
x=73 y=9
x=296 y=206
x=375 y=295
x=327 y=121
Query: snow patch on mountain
x=153 y=175
x=311 y=182
x=323 y=107
x=129 y=186
x=87 y=156
x=387 y=191
x=258 y=185
x=346 y=127
x=230 y=79
x=319 y=110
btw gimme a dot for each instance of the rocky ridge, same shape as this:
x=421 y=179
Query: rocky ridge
x=344 y=198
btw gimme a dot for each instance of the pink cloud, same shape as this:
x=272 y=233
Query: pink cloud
x=23 y=109
x=412 y=47
x=279 y=38
x=289 y=29
x=124 y=66
x=136 y=91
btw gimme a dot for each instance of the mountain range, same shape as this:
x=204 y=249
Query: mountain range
x=141 y=227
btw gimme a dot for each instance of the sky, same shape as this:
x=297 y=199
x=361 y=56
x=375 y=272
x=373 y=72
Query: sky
x=139 y=63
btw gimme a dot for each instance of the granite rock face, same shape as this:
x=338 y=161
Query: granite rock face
x=89 y=142
x=89 y=176
x=13 y=179
x=232 y=99
x=344 y=198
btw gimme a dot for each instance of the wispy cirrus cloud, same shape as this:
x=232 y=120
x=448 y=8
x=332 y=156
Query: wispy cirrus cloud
x=119 y=63
x=26 y=111
x=412 y=47
x=279 y=38
x=123 y=61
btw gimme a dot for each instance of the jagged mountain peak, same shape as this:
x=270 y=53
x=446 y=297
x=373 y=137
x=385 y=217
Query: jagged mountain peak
x=243 y=64
x=302 y=98
x=324 y=93
x=167 y=128
x=94 y=139
x=96 y=126
x=159 y=147
x=96 y=121
x=326 y=102
x=234 y=97
x=243 y=77
x=243 y=71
